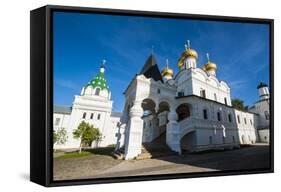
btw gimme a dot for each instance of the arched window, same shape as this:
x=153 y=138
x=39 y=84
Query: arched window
x=210 y=140
x=233 y=139
x=92 y=116
x=205 y=114
x=238 y=118
x=180 y=93
x=98 y=116
x=203 y=93
x=266 y=114
x=97 y=92
x=225 y=101
x=245 y=121
x=229 y=118
x=219 y=116
x=215 y=97
x=84 y=115
x=158 y=91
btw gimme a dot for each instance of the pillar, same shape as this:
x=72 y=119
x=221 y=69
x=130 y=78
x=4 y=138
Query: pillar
x=173 y=132
x=134 y=133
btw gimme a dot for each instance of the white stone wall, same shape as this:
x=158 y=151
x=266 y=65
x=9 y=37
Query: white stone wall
x=90 y=91
x=192 y=81
x=261 y=108
x=246 y=129
x=97 y=110
x=63 y=123
x=264 y=135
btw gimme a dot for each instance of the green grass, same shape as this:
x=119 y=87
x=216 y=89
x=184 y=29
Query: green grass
x=101 y=150
x=87 y=152
x=73 y=155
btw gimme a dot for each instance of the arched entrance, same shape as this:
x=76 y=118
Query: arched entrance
x=163 y=111
x=150 y=120
x=188 y=142
x=154 y=131
x=183 y=111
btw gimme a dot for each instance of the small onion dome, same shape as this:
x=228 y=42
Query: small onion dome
x=210 y=66
x=167 y=72
x=261 y=85
x=187 y=53
x=190 y=53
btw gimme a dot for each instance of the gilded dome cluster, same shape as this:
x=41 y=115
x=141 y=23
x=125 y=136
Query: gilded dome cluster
x=209 y=67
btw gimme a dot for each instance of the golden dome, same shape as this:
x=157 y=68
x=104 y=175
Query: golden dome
x=167 y=72
x=187 y=53
x=209 y=66
x=190 y=53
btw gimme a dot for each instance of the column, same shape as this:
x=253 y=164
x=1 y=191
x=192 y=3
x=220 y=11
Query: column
x=134 y=133
x=173 y=132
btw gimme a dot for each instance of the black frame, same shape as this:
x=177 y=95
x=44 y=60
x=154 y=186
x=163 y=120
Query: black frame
x=41 y=94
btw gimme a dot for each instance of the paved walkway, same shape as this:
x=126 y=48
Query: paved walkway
x=255 y=156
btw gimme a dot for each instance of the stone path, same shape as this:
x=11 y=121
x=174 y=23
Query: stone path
x=256 y=156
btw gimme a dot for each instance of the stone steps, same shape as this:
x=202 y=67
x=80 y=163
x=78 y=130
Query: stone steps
x=154 y=149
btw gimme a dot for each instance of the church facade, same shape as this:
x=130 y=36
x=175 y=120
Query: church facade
x=191 y=110
x=94 y=106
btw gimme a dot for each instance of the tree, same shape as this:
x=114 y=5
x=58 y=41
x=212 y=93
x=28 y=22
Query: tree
x=87 y=134
x=55 y=137
x=60 y=136
x=239 y=104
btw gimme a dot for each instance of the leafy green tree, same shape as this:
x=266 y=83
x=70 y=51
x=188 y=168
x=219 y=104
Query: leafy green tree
x=87 y=134
x=55 y=137
x=60 y=136
x=239 y=104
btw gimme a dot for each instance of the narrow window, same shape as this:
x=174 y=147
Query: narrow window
x=266 y=114
x=245 y=121
x=238 y=118
x=229 y=118
x=251 y=121
x=92 y=116
x=225 y=101
x=211 y=140
x=97 y=92
x=219 y=116
x=203 y=93
x=84 y=115
x=57 y=122
x=98 y=116
x=215 y=97
x=180 y=93
x=205 y=114
x=233 y=139
x=158 y=91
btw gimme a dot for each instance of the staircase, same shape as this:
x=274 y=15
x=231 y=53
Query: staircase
x=119 y=154
x=156 y=148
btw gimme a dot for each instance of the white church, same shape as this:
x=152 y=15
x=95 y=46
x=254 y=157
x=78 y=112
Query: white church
x=188 y=111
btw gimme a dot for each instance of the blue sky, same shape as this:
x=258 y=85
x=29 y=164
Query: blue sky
x=82 y=41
